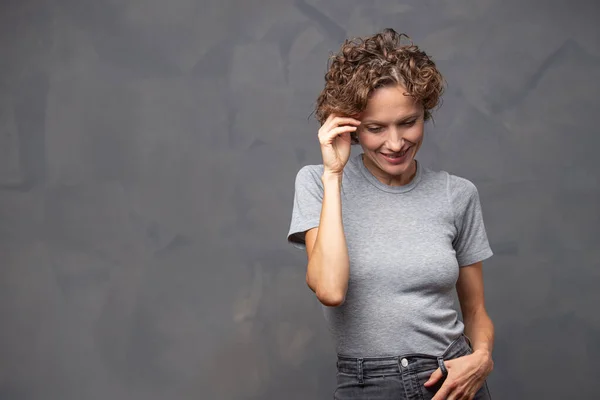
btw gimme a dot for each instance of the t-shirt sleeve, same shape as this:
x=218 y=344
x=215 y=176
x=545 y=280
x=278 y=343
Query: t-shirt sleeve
x=308 y=198
x=471 y=242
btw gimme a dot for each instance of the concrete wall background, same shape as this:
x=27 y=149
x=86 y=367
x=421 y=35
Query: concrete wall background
x=147 y=157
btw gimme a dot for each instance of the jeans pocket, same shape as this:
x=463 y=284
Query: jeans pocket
x=377 y=386
x=428 y=392
x=483 y=393
x=344 y=383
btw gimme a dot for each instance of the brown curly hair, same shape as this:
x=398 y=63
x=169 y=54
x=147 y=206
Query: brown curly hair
x=365 y=64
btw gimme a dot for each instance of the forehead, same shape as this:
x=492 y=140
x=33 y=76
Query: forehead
x=390 y=103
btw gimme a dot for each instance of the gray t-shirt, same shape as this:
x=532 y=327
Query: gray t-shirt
x=406 y=244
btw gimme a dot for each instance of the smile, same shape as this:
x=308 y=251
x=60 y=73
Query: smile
x=396 y=158
x=396 y=155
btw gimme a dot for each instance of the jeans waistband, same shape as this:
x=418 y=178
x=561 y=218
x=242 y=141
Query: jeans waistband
x=397 y=364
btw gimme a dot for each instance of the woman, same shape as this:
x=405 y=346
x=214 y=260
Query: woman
x=388 y=240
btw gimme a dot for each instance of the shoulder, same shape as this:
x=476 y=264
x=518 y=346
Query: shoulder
x=310 y=173
x=434 y=177
x=462 y=192
x=457 y=187
x=445 y=182
x=310 y=170
x=309 y=177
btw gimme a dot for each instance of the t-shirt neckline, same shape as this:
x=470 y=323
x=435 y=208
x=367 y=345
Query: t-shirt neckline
x=387 y=188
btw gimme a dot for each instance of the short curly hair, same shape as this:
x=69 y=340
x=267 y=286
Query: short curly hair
x=365 y=64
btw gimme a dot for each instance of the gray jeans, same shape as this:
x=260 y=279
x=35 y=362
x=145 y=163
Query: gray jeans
x=397 y=378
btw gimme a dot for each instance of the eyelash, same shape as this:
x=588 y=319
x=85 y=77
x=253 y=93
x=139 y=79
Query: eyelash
x=379 y=129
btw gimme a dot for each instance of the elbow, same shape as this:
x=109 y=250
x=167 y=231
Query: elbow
x=330 y=292
x=331 y=298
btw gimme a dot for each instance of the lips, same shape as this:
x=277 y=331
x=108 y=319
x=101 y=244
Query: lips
x=397 y=159
x=394 y=155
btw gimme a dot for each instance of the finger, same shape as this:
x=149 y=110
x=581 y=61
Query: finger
x=344 y=121
x=328 y=137
x=458 y=395
x=345 y=137
x=336 y=119
x=443 y=393
x=436 y=376
x=329 y=119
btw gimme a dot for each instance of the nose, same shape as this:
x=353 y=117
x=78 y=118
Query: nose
x=395 y=140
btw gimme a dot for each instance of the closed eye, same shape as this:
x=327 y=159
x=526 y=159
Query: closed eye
x=379 y=129
x=375 y=129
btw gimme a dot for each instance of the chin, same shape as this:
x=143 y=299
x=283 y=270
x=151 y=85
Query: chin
x=398 y=169
x=395 y=169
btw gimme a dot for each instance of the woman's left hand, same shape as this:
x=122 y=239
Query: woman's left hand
x=465 y=376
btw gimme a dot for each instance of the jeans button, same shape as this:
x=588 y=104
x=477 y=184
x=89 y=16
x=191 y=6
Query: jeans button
x=404 y=362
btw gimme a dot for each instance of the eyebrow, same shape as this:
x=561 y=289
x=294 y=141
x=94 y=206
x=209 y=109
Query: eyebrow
x=403 y=119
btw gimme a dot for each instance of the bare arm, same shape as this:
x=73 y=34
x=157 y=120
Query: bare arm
x=467 y=374
x=328 y=264
x=478 y=325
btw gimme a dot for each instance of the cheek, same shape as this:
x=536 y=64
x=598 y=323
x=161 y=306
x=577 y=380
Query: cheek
x=416 y=136
x=418 y=147
x=368 y=141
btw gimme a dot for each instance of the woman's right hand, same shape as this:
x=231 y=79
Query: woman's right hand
x=335 y=140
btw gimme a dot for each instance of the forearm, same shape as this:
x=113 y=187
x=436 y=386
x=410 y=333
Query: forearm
x=480 y=329
x=329 y=263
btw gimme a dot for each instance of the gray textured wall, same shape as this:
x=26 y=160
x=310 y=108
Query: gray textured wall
x=148 y=151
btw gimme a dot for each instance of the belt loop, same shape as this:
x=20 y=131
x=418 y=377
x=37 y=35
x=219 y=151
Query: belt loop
x=442 y=366
x=359 y=366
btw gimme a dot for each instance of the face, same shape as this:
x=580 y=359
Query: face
x=391 y=134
